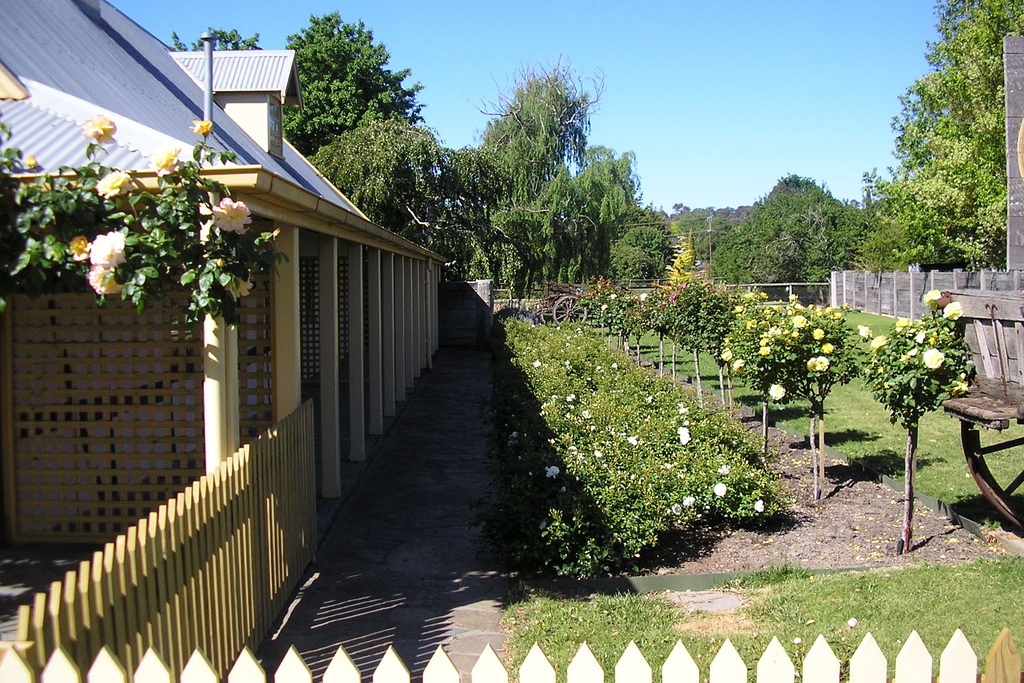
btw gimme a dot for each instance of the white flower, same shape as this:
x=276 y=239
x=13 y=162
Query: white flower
x=724 y=469
x=864 y=331
x=107 y=250
x=852 y=623
x=920 y=337
x=633 y=441
x=684 y=435
x=650 y=399
x=720 y=489
x=586 y=414
x=777 y=392
x=683 y=410
x=615 y=366
x=759 y=505
x=598 y=454
x=551 y=472
x=570 y=398
x=689 y=501
x=677 y=509
x=536 y=363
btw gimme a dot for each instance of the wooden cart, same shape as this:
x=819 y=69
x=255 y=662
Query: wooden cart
x=561 y=303
x=994 y=328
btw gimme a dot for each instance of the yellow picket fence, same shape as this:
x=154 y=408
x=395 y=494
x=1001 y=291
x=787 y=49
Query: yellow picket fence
x=957 y=664
x=209 y=570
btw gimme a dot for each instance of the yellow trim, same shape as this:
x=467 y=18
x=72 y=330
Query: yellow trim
x=10 y=87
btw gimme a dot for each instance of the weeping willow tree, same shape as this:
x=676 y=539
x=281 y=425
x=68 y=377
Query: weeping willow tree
x=566 y=202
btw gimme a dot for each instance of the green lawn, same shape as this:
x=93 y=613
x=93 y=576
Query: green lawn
x=979 y=598
x=859 y=427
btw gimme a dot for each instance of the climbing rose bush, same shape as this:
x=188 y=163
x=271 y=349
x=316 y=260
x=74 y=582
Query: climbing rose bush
x=596 y=458
x=105 y=228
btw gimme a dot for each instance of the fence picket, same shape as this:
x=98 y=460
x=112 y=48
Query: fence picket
x=727 y=666
x=1002 y=663
x=775 y=666
x=14 y=668
x=292 y=669
x=821 y=664
x=248 y=670
x=198 y=670
x=958 y=663
x=343 y=670
x=914 y=662
x=88 y=642
x=488 y=668
x=69 y=616
x=391 y=669
x=584 y=667
x=868 y=664
x=535 y=668
x=632 y=666
x=60 y=669
x=106 y=669
x=152 y=669
x=679 y=667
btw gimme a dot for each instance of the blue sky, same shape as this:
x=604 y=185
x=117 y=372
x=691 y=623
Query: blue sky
x=717 y=99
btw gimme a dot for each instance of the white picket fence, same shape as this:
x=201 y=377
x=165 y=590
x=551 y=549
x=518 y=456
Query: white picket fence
x=957 y=664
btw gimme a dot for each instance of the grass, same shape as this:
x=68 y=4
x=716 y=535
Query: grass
x=859 y=427
x=979 y=598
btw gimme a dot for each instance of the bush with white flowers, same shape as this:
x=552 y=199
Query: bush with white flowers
x=596 y=458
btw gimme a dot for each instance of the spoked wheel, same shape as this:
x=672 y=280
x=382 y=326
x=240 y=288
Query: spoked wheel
x=994 y=492
x=567 y=308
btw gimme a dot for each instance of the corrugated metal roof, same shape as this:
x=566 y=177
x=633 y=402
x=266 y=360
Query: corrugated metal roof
x=79 y=61
x=247 y=71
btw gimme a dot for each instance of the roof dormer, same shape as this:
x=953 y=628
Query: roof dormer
x=251 y=86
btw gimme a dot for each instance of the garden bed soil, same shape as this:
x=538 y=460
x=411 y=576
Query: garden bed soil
x=856 y=525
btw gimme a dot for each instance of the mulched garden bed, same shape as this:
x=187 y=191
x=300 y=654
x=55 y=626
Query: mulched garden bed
x=855 y=525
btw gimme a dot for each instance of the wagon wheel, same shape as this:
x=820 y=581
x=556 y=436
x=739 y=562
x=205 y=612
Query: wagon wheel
x=567 y=308
x=1000 y=497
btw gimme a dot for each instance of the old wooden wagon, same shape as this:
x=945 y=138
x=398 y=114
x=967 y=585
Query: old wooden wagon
x=994 y=328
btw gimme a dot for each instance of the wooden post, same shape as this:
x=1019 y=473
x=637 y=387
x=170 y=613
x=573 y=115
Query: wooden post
x=221 y=434
x=411 y=371
x=375 y=352
x=330 y=371
x=388 y=332
x=356 y=356
x=287 y=361
x=401 y=329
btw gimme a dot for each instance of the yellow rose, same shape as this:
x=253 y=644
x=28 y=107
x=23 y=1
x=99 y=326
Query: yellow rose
x=79 y=248
x=738 y=365
x=100 y=129
x=727 y=355
x=764 y=350
x=113 y=184
x=102 y=280
x=827 y=348
x=878 y=342
x=819 y=364
x=203 y=128
x=799 y=321
x=901 y=323
x=777 y=392
x=30 y=162
x=165 y=160
x=818 y=334
x=953 y=311
x=931 y=297
x=933 y=358
x=864 y=331
x=738 y=310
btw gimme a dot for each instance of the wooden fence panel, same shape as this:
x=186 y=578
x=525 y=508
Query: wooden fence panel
x=209 y=570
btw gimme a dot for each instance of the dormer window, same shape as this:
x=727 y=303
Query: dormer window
x=251 y=86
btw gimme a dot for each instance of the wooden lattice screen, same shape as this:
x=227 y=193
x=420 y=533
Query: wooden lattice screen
x=255 y=369
x=104 y=419
x=309 y=313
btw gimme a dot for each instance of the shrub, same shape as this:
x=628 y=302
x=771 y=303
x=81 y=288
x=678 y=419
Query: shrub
x=595 y=458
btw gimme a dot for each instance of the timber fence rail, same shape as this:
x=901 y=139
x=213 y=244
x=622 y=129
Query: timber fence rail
x=958 y=663
x=209 y=570
x=899 y=294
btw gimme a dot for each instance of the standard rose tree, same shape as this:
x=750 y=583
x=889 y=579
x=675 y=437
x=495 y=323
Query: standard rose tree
x=912 y=370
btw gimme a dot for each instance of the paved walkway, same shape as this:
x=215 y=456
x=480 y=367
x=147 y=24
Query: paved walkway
x=401 y=565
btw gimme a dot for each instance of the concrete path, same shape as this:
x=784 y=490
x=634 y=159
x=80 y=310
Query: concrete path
x=401 y=565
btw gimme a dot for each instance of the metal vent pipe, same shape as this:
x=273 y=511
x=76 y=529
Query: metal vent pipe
x=208 y=41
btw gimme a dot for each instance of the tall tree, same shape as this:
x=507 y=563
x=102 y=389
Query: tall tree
x=797 y=233
x=226 y=40
x=949 y=190
x=346 y=83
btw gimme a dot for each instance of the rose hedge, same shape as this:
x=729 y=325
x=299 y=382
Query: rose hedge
x=595 y=457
